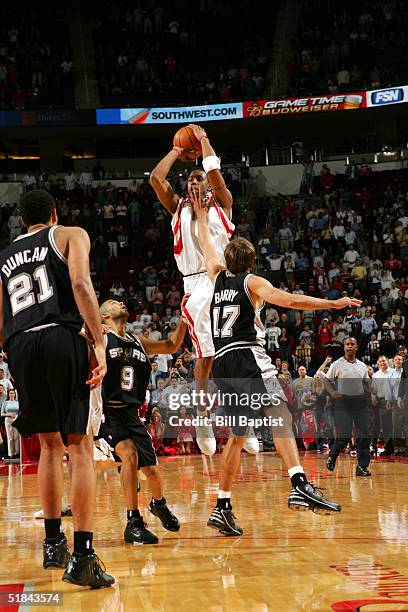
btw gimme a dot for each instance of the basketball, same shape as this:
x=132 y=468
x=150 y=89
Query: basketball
x=185 y=138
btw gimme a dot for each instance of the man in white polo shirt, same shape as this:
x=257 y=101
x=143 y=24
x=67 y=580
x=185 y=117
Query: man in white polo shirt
x=353 y=383
x=381 y=392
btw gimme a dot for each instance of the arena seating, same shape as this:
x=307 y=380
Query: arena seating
x=348 y=46
x=35 y=57
x=154 y=53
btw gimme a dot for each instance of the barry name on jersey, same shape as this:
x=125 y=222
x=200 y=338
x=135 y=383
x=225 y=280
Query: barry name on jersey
x=127 y=353
x=226 y=295
x=23 y=257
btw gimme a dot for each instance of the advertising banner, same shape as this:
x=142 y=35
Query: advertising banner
x=305 y=104
x=390 y=95
x=181 y=114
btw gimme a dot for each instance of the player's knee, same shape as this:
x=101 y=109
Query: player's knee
x=129 y=457
x=52 y=442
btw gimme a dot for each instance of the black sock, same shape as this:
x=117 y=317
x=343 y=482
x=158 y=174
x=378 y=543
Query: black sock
x=159 y=502
x=133 y=514
x=298 y=479
x=224 y=503
x=83 y=542
x=53 y=529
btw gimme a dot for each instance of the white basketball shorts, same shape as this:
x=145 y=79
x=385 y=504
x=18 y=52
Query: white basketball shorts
x=197 y=313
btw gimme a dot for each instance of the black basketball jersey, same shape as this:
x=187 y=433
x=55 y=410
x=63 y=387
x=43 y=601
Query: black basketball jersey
x=36 y=284
x=128 y=371
x=235 y=321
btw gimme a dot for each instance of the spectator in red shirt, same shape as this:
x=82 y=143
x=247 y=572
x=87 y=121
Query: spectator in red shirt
x=19 y=98
x=392 y=263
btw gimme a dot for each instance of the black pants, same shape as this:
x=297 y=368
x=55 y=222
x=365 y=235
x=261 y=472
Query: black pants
x=351 y=410
x=386 y=422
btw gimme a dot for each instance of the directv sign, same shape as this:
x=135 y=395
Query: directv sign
x=391 y=95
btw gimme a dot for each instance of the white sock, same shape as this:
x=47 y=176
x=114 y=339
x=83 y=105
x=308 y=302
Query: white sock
x=224 y=494
x=296 y=469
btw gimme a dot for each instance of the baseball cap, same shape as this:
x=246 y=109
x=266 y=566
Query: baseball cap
x=386 y=324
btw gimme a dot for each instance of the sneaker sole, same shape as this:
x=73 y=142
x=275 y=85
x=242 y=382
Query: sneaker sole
x=129 y=541
x=54 y=566
x=315 y=509
x=86 y=584
x=299 y=507
x=222 y=531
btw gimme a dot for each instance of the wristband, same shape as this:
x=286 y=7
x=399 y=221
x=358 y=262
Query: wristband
x=212 y=162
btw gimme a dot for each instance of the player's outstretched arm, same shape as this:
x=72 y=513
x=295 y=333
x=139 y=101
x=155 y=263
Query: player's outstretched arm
x=74 y=243
x=1 y=317
x=212 y=260
x=165 y=347
x=212 y=168
x=159 y=182
x=263 y=290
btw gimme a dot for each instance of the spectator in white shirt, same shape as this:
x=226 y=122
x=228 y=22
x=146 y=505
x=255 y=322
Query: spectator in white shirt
x=339 y=230
x=351 y=256
x=29 y=180
x=15 y=225
x=85 y=181
x=333 y=272
x=70 y=181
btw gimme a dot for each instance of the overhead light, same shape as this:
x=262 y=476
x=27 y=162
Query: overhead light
x=24 y=157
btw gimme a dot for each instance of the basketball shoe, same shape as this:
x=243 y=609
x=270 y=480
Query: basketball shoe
x=362 y=471
x=87 y=571
x=307 y=497
x=224 y=521
x=167 y=518
x=251 y=445
x=56 y=553
x=205 y=436
x=136 y=532
x=331 y=463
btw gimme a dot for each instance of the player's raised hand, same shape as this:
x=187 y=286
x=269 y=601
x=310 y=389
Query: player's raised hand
x=179 y=151
x=199 y=132
x=345 y=302
x=200 y=205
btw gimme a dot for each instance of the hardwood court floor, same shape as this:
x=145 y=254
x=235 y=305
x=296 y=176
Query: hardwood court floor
x=285 y=561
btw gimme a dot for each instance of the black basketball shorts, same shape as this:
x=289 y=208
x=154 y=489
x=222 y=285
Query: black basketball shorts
x=247 y=384
x=50 y=367
x=123 y=423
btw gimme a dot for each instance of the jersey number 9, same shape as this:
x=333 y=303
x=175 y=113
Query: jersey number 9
x=128 y=378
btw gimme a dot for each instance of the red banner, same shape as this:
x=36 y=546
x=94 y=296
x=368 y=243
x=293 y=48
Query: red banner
x=308 y=104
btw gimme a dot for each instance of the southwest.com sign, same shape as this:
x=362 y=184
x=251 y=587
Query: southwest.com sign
x=182 y=114
x=357 y=100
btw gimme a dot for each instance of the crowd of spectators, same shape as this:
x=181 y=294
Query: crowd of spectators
x=348 y=46
x=348 y=235
x=35 y=58
x=183 y=52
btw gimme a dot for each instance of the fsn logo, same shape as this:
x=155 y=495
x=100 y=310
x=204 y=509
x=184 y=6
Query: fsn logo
x=387 y=96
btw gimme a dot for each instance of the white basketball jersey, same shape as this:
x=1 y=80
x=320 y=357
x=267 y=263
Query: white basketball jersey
x=187 y=251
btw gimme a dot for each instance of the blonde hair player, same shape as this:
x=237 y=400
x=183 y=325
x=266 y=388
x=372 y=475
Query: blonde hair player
x=238 y=297
x=190 y=260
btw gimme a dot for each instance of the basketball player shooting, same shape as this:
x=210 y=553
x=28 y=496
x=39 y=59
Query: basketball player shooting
x=187 y=251
x=238 y=336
